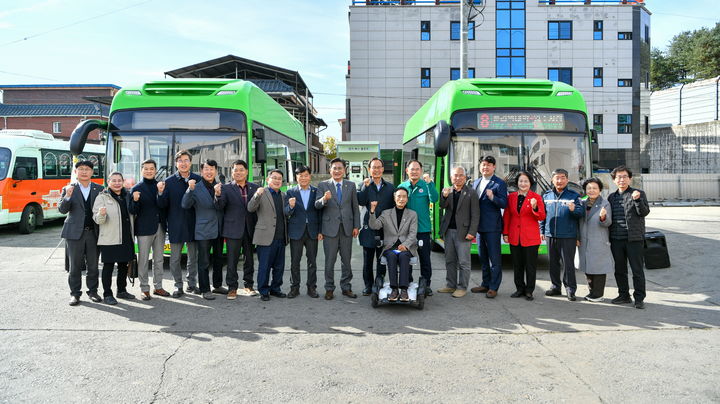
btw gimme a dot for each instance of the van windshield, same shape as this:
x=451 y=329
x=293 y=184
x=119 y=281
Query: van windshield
x=4 y=162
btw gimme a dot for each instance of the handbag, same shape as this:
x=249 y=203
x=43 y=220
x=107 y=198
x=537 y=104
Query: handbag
x=132 y=272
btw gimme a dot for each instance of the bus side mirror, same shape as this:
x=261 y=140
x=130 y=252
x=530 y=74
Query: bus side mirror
x=594 y=147
x=79 y=135
x=442 y=138
x=260 y=153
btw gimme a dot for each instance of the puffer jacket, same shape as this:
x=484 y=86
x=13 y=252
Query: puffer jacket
x=635 y=212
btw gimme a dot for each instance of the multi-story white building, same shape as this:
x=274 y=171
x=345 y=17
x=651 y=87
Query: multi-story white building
x=401 y=52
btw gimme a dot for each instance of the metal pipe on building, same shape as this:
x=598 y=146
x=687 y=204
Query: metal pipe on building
x=463 y=39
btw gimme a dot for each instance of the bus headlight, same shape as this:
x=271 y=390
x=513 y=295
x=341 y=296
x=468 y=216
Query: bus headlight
x=226 y=92
x=563 y=93
x=471 y=92
x=132 y=92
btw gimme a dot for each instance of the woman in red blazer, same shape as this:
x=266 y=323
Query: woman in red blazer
x=521 y=230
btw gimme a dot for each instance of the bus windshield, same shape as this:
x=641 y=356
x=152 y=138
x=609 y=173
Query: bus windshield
x=537 y=152
x=127 y=150
x=4 y=162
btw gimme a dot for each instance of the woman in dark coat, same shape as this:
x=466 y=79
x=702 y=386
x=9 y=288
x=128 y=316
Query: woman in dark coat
x=115 y=241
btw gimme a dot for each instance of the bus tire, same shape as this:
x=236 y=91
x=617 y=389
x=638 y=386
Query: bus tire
x=28 y=220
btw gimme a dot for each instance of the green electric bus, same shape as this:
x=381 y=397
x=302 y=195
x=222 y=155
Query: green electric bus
x=532 y=125
x=224 y=120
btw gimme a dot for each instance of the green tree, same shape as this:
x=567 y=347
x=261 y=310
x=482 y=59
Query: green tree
x=707 y=53
x=663 y=73
x=330 y=147
x=691 y=56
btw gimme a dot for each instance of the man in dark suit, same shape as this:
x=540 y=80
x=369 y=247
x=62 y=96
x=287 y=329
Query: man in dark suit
x=374 y=189
x=149 y=229
x=202 y=197
x=81 y=232
x=270 y=235
x=303 y=230
x=238 y=227
x=492 y=192
x=458 y=226
x=180 y=222
x=340 y=224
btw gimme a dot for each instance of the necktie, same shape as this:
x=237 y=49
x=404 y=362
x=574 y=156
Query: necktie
x=339 y=193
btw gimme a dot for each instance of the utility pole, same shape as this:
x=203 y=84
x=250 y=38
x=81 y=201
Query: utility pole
x=308 y=135
x=463 y=38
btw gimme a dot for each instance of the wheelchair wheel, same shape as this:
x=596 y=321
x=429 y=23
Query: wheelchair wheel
x=374 y=300
x=420 y=302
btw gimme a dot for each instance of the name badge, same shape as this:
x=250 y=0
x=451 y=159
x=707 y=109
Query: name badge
x=421 y=190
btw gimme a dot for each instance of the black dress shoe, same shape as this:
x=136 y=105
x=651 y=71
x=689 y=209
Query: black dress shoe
x=278 y=294
x=312 y=292
x=193 y=289
x=367 y=292
x=621 y=300
x=517 y=294
x=110 y=300
x=74 y=300
x=294 y=292
x=125 y=295
x=428 y=291
x=265 y=298
x=177 y=293
x=528 y=297
x=94 y=297
x=571 y=296
x=553 y=292
x=639 y=305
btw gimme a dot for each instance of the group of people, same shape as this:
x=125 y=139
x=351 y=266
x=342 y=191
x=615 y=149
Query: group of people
x=203 y=217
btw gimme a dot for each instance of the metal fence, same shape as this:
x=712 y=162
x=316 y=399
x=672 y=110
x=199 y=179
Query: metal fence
x=681 y=187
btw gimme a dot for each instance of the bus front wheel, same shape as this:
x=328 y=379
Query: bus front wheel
x=28 y=220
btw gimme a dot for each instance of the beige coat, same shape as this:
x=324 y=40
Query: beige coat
x=111 y=223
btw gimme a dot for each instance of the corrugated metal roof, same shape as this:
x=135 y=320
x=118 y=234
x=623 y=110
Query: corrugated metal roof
x=53 y=110
x=272 y=86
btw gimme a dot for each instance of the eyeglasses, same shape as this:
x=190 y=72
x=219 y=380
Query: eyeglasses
x=622 y=177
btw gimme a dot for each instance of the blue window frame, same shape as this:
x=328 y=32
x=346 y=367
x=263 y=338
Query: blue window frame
x=455 y=30
x=559 y=29
x=425 y=77
x=455 y=73
x=510 y=39
x=598 y=123
x=563 y=74
x=424 y=30
x=597 y=77
x=598 y=30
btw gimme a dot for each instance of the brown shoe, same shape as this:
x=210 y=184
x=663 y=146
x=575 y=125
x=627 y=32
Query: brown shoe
x=479 y=289
x=232 y=294
x=394 y=295
x=491 y=294
x=145 y=296
x=329 y=295
x=404 y=295
x=161 y=292
x=349 y=293
x=312 y=292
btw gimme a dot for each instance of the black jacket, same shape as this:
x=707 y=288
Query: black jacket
x=635 y=212
x=237 y=221
x=146 y=210
x=385 y=200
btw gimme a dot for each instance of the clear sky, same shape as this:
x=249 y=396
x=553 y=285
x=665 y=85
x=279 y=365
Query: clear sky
x=127 y=41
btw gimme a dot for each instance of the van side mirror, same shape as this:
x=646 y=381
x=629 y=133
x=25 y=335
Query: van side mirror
x=260 y=153
x=79 y=135
x=442 y=138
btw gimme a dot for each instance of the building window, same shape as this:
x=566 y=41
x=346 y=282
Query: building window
x=455 y=30
x=624 y=83
x=624 y=123
x=563 y=74
x=56 y=127
x=647 y=34
x=597 y=30
x=425 y=77
x=510 y=39
x=597 y=77
x=647 y=125
x=624 y=36
x=598 y=123
x=455 y=73
x=424 y=30
x=559 y=29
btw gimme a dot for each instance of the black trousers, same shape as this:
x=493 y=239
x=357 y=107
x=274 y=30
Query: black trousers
x=398 y=266
x=233 y=255
x=370 y=256
x=562 y=249
x=596 y=284
x=424 y=256
x=625 y=252
x=205 y=259
x=310 y=244
x=524 y=267
x=107 y=273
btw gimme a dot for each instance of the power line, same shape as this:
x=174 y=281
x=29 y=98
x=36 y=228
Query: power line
x=74 y=23
x=30 y=76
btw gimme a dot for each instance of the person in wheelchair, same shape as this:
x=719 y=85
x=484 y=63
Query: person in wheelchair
x=399 y=244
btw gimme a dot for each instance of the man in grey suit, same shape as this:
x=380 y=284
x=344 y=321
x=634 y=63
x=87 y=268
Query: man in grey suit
x=458 y=225
x=270 y=235
x=81 y=232
x=340 y=223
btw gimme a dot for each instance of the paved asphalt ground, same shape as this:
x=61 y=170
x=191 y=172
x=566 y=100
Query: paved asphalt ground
x=311 y=350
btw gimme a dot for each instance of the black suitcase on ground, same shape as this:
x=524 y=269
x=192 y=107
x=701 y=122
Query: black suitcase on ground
x=656 y=252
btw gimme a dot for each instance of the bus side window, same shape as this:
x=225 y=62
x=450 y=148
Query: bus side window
x=96 y=165
x=65 y=165
x=27 y=166
x=50 y=165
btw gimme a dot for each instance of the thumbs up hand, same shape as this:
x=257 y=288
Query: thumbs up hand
x=291 y=202
x=161 y=187
x=136 y=196
x=218 y=189
x=191 y=184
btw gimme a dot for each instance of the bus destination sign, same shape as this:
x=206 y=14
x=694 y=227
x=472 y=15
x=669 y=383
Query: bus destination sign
x=519 y=120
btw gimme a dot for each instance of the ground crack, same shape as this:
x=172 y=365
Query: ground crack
x=162 y=375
